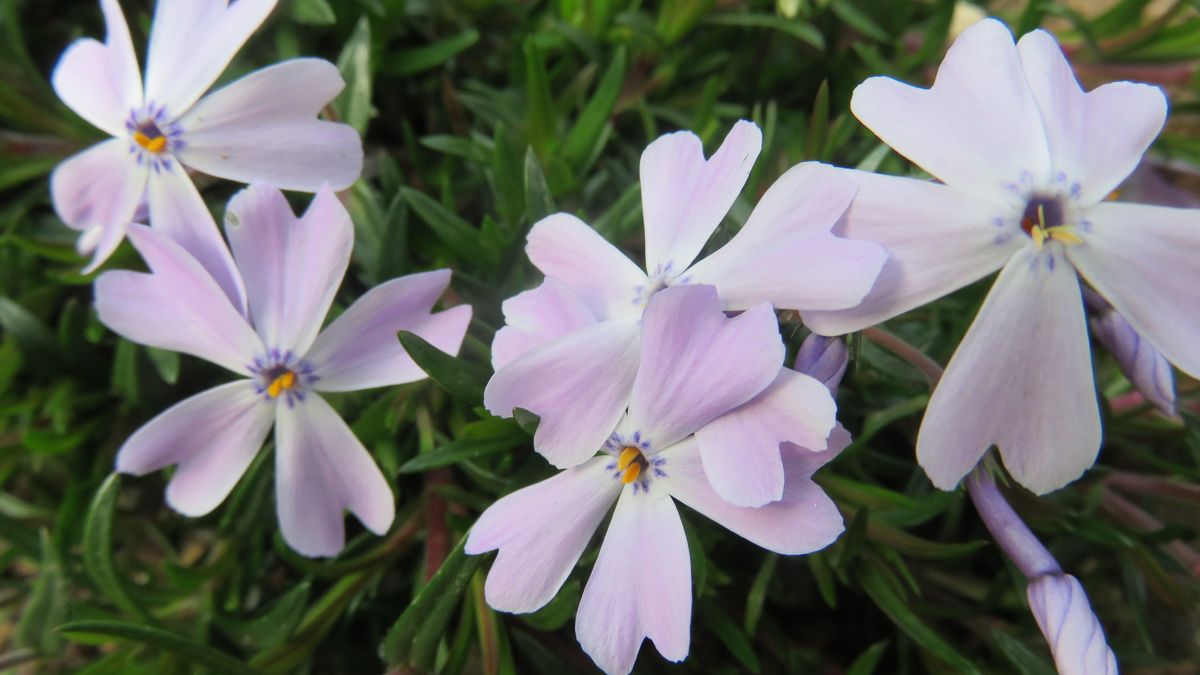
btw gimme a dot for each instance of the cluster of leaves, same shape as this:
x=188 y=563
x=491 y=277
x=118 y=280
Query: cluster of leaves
x=479 y=117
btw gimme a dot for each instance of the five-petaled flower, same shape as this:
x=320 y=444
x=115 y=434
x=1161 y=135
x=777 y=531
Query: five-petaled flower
x=570 y=349
x=696 y=365
x=1026 y=159
x=291 y=268
x=262 y=127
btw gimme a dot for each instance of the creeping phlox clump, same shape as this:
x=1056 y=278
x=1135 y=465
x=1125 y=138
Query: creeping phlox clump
x=652 y=385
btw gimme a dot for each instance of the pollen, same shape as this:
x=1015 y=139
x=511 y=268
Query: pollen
x=630 y=463
x=155 y=144
x=282 y=383
x=1043 y=220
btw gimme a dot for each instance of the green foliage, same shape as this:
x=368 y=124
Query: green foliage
x=480 y=117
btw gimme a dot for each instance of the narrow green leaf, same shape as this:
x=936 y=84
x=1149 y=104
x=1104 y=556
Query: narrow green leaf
x=867 y=661
x=856 y=535
x=819 y=125
x=1023 y=659
x=557 y=612
x=183 y=647
x=538 y=201
x=48 y=604
x=313 y=12
x=47 y=442
x=730 y=634
x=526 y=420
x=273 y=627
x=166 y=362
x=854 y=17
x=456 y=233
x=33 y=337
x=427 y=57
x=897 y=608
x=459 y=450
x=581 y=141
x=463 y=379
x=801 y=30
x=409 y=640
x=539 y=105
x=97 y=547
x=507 y=176
x=354 y=63
x=758 y=593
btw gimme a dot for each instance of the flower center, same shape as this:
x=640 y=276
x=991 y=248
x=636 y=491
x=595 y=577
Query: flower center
x=1045 y=218
x=150 y=137
x=280 y=382
x=631 y=463
x=634 y=462
x=279 y=375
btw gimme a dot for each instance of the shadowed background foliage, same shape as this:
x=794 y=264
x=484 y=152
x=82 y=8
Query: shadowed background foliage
x=479 y=117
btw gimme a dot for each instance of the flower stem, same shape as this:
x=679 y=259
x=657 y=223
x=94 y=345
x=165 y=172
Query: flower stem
x=918 y=359
x=1007 y=528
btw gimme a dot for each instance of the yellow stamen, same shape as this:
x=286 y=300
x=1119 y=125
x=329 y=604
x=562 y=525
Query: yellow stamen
x=1039 y=236
x=281 y=384
x=1113 y=196
x=631 y=474
x=630 y=463
x=155 y=145
x=1065 y=234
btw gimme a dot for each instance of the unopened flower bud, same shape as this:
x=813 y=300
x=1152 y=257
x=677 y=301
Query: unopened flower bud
x=1144 y=365
x=824 y=358
x=1071 y=628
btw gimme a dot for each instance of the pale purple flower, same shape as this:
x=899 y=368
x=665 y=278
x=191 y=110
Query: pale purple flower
x=1058 y=602
x=696 y=364
x=1026 y=159
x=262 y=127
x=291 y=268
x=570 y=349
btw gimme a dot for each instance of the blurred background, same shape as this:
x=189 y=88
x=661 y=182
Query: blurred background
x=480 y=117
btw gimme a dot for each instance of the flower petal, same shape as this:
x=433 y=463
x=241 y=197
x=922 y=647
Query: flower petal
x=359 y=350
x=321 y=469
x=191 y=42
x=213 y=436
x=177 y=210
x=1096 y=138
x=178 y=307
x=740 y=449
x=101 y=81
x=578 y=385
x=803 y=520
x=537 y=316
x=979 y=106
x=697 y=364
x=786 y=255
x=685 y=197
x=99 y=242
x=562 y=246
x=1142 y=259
x=937 y=241
x=641 y=586
x=292 y=266
x=100 y=186
x=1020 y=380
x=264 y=127
x=1072 y=629
x=541 y=531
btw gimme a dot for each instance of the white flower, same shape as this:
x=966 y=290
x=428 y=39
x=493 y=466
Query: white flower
x=1026 y=159
x=262 y=127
